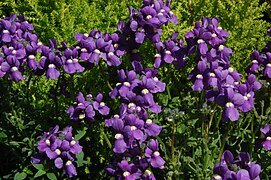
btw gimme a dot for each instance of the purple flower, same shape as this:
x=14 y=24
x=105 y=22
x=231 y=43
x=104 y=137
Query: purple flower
x=62 y=151
x=70 y=61
x=230 y=101
x=267 y=65
x=120 y=145
x=153 y=155
x=266 y=132
x=81 y=110
x=240 y=169
x=100 y=106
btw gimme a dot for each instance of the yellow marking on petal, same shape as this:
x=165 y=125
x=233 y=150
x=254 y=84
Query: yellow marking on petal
x=145 y=91
x=156 y=153
x=73 y=142
x=117 y=136
x=58 y=151
x=82 y=116
x=148 y=172
x=126 y=173
x=68 y=163
x=47 y=141
x=149 y=121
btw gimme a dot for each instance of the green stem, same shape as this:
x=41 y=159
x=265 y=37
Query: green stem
x=108 y=84
x=225 y=136
x=28 y=89
x=211 y=118
x=173 y=160
x=107 y=140
x=168 y=91
x=56 y=98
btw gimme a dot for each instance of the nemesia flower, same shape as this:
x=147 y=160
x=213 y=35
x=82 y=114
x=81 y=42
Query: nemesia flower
x=84 y=109
x=60 y=147
x=239 y=169
x=266 y=133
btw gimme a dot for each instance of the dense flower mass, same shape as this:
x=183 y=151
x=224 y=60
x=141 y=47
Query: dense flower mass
x=133 y=127
x=266 y=137
x=86 y=109
x=261 y=64
x=239 y=169
x=137 y=151
x=59 y=147
x=213 y=72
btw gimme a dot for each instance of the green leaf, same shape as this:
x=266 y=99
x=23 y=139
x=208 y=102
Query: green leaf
x=80 y=133
x=3 y=135
x=51 y=176
x=40 y=173
x=80 y=158
x=165 y=100
x=20 y=176
x=38 y=166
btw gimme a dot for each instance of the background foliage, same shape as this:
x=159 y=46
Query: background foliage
x=30 y=107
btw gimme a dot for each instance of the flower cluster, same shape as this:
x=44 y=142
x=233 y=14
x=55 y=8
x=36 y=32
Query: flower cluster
x=213 y=72
x=266 y=137
x=133 y=127
x=239 y=169
x=170 y=51
x=85 y=109
x=144 y=23
x=21 y=48
x=18 y=46
x=60 y=147
x=261 y=63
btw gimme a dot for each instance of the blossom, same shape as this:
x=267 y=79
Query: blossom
x=61 y=151
x=226 y=168
x=266 y=133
